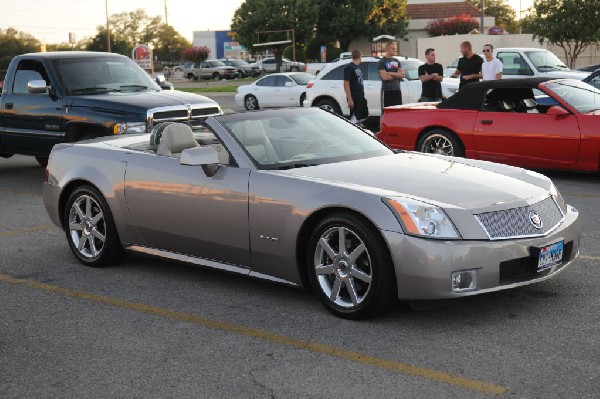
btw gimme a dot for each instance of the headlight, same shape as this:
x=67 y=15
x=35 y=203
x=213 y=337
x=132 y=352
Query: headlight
x=129 y=127
x=422 y=219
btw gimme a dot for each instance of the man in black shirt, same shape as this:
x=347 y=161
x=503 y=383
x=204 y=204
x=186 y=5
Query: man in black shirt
x=469 y=66
x=355 y=91
x=431 y=74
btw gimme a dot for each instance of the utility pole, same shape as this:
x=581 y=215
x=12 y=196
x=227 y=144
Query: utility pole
x=482 y=14
x=107 y=29
x=166 y=14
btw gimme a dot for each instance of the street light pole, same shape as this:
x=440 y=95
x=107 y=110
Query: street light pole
x=166 y=14
x=107 y=30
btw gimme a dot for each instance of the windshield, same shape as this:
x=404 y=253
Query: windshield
x=411 y=69
x=94 y=75
x=580 y=95
x=215 y=63
x=291 y=138
x=545 y=60
x=302 y=78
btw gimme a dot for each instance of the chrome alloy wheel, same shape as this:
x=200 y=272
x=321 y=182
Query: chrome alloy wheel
x=438 y=144
x=343 y=267
x=87 y=227
x=251 y=103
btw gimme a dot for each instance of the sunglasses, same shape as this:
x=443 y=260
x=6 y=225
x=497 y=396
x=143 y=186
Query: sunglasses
x=486 y=50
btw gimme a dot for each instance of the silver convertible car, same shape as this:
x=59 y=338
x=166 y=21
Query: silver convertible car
x=303 y=197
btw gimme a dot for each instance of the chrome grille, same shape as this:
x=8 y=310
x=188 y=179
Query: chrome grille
x=188 y=114
x=516 y=222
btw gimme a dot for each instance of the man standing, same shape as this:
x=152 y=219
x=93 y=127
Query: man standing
x=431 y=74
x=391 y=74
x=469 y=66
x=492 y=67
x=355 y=91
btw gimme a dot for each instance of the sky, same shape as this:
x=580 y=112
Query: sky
x=50 y=21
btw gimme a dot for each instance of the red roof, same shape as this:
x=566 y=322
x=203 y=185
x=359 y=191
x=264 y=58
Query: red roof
x=441 y=10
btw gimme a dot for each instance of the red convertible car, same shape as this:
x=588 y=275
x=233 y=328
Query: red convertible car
x=534 y=123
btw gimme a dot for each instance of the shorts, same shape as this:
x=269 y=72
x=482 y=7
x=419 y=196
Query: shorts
x=360 y=110
x=390 y=97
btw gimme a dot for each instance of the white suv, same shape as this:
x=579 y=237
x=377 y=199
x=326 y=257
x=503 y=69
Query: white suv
x=327 y=89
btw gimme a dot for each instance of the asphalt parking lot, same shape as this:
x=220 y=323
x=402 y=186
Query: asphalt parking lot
x=149 y=328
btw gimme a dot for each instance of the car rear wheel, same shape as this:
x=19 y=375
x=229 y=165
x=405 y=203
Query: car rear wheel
x=90 y=229
x=329 y=105
x=251 y=103
x=441 y=141
x=350 y=268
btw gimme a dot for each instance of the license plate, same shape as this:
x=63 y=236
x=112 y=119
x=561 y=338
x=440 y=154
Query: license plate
x=550 y=255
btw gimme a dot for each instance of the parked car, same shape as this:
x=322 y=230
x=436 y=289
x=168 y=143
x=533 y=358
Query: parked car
x=286 y=89
x=519 y=62
x=244 y=68
x=269 y=65
x=588 y=68
x=501 y=121
x=304 y=198
x=593 y=79
x=327 y=89
x=448 y=71
x=210 y=69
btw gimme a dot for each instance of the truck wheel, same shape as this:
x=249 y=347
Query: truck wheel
x=329 y=105
x=191 y=76
x=216 y=76
x=43 y=161
x=241 y=75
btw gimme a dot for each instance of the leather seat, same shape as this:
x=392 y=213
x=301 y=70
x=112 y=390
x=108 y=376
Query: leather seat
x=252 y=136
x=175 y=138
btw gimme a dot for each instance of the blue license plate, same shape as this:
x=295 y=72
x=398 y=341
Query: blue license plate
x=550 y=255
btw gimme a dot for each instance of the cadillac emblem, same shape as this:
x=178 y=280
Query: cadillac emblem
x=536 y=220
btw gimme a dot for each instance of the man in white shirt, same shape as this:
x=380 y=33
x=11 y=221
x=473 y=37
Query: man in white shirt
x=492 y=67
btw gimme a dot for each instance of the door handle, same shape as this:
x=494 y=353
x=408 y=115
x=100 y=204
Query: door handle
x=486 y=122
x=9 y=105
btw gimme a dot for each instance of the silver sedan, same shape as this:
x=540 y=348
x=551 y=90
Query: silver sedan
x=303 y=197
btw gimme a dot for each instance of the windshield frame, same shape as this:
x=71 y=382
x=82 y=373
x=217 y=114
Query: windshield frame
x=581 y=96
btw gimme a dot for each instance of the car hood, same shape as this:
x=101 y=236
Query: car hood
x=138 y=102
x=445 y=181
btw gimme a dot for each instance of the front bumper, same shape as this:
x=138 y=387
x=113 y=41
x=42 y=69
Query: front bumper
x=51 y=195
x=424 y=267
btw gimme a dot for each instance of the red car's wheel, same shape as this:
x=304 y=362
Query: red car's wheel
x=441 y=141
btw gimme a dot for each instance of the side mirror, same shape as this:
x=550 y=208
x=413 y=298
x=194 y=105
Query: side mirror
x=289 y=84
x=37 y=86
x=160 y=79
x=207 y=157
x=557 y=110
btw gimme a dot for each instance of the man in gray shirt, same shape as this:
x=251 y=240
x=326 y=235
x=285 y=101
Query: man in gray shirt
x=391 y=74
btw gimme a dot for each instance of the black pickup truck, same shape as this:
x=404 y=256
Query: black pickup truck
x=56 y=97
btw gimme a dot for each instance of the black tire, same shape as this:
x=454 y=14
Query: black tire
x=241 y=75
x=191 y=76
x=302 y=98
x=294 y=69
x=358 y=281
x=216 y=76
x=251 y=103
x=441 y=141
x=43 y=161
x=90 y=231
x=329 y=105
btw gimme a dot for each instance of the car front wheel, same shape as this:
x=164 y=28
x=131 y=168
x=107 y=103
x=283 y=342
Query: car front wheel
x=251 y=103
x=350 y=268
x=90 y=229
x=441 y=141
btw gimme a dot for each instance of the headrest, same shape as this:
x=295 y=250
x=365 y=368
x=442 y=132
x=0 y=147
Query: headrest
x=176 y=137
x=529 y=102
x=251 y=133
x=156 y=134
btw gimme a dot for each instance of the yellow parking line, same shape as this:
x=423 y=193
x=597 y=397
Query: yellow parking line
x=5 y=190
x=589 y=257
x=26 y=230
x=402 y=368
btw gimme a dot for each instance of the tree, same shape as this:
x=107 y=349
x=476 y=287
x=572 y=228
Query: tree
x=340 y=20
x=196 y=54
x=455 y=25
x=572 y=25
x=118 y=44
x=14 y=42
x=168 y=44
x=387 y=17
x=255 y=16
x=503 y=13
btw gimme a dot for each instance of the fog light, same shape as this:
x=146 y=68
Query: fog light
x=465 y=280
